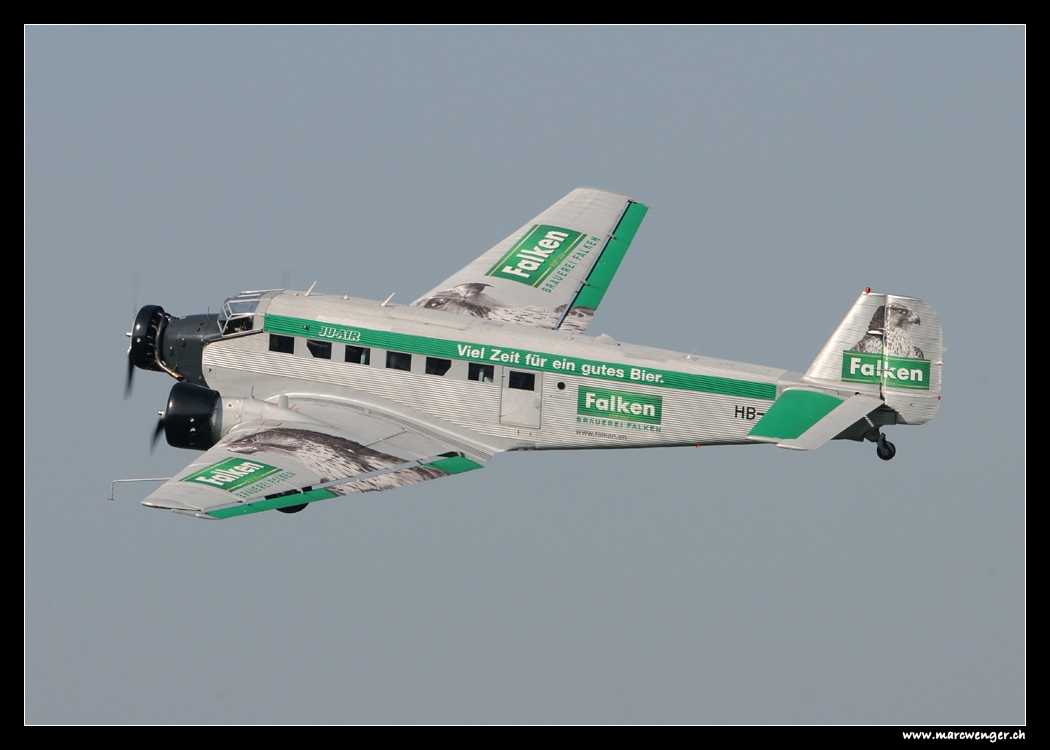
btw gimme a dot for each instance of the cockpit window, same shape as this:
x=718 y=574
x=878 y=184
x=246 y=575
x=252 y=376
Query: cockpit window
x=238 y=312
x=238 y=324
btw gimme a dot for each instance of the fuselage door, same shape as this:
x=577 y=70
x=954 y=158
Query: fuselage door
x=520 y=401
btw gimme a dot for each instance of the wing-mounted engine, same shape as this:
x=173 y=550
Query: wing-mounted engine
x=192 y=418
x=198 y=418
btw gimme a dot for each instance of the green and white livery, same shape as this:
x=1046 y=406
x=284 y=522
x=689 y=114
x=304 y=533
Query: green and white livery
x=296 y=397
x=553 y=272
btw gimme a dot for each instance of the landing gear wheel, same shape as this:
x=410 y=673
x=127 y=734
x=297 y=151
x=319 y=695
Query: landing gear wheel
x=297 y=508
x=885 y=450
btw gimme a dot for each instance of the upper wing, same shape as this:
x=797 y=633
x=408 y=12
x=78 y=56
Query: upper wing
x=551 y=273
x=286 y=463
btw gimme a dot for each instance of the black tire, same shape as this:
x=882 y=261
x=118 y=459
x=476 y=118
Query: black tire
x=886 y=450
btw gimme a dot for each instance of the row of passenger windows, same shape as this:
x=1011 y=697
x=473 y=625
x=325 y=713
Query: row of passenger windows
x=360 y=355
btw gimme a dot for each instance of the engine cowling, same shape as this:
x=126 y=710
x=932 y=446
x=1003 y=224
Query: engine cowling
x=146 y=337
x=193 y=417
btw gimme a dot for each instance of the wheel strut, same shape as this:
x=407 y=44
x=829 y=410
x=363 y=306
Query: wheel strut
x=883 y=448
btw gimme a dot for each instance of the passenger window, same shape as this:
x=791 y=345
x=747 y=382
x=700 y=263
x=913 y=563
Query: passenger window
x=523 y=381
x=398 y=361
x=358 y=354
x=283 y=344
x=320 y=349
x=481 y=373
x=437 y=366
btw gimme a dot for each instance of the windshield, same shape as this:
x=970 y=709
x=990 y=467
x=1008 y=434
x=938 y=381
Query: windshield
x=238 y=312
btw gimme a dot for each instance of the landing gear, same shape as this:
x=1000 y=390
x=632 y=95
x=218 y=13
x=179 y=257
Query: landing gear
x=884 y=448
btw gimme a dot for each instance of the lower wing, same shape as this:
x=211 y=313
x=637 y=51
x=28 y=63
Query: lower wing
x=286 y=464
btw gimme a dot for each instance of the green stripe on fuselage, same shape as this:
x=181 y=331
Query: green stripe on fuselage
x=524 y=359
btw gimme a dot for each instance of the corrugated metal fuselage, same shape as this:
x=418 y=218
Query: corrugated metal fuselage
x=494 y=386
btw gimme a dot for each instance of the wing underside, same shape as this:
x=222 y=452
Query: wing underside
x=553 y=272
x=284 y=465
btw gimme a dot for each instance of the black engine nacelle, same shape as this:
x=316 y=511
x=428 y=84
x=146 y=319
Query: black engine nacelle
x=193 y=417
x=163 y=343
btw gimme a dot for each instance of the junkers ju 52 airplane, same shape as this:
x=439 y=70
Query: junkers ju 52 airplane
x=296 y=397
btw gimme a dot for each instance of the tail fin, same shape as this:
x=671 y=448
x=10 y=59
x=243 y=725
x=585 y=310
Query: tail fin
x=890 y=347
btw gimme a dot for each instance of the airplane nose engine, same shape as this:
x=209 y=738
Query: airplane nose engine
x=192 y=418
x=164 y=343
x=146 y=337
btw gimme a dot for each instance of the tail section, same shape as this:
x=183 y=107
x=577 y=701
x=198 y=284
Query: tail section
x=887 y=347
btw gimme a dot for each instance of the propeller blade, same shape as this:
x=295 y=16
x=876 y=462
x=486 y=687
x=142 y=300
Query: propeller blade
x=156 y=434
x=131 y=374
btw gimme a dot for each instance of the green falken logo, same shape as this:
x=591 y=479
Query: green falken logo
x=891 y=372
x=536 y=255
x=232 y=474
x=624 y=405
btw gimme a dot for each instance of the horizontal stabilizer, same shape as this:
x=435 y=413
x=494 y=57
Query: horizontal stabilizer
x=805 y=420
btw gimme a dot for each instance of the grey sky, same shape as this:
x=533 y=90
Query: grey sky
x=785 y=170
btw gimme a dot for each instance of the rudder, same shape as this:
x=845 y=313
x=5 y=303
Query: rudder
x=887 y=346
